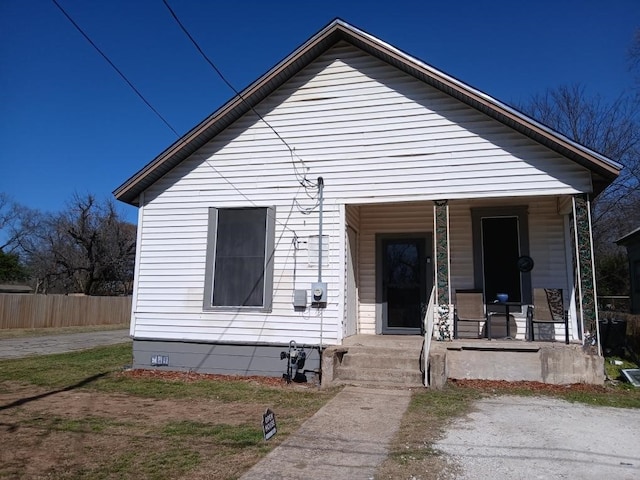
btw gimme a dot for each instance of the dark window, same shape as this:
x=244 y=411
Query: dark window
x=500 y=236
x=239 y=258
x=500 y=252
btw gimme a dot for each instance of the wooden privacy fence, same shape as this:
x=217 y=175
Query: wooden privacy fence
x=43 y=311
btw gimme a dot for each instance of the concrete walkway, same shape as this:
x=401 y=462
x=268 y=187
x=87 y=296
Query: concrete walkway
x=347 y=438
x=69 y=342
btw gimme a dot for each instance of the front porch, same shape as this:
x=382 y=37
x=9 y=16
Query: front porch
x=398 y=360
x=396 y=253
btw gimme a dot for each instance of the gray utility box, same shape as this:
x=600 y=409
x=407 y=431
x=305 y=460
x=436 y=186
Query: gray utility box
x=300 y=298
x=319 y=294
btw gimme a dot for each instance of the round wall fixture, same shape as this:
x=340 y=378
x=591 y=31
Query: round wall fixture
x=525 y=263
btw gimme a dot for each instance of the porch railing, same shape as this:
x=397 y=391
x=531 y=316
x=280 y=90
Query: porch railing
x=428 y=321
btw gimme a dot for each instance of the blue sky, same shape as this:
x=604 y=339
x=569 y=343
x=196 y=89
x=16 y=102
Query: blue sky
x=68 y=123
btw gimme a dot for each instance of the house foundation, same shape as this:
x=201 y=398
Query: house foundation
x=222 y=359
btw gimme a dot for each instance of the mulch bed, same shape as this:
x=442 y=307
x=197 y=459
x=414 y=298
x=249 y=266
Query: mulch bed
x=481 y=385
x=197 y=377
x=501 y=385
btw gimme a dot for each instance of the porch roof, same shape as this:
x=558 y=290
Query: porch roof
x=629 y=238
x=604 y=170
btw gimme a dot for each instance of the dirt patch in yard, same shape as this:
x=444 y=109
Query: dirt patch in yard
x=125 y=408
x=85 y=433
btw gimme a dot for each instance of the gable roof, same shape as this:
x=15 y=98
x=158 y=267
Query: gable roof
x=604 y=170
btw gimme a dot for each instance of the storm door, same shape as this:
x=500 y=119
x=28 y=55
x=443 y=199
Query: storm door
x=403 y=282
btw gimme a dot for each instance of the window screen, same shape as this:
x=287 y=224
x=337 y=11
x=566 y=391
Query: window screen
x=239 y=259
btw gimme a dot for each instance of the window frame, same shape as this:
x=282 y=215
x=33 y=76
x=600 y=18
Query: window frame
x=212 y=235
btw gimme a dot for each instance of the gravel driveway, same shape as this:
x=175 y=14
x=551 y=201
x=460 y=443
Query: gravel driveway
x=543 y=438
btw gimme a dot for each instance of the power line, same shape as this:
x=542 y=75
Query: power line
x=284 y=225
x=114 y=67
x=156 y=111
x=304 y=182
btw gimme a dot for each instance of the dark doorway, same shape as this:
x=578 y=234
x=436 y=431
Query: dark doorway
x=404 y=282
x=500 y=252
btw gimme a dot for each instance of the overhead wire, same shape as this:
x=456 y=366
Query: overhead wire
x=306 y=183
x=113 y=65
x=158 y=114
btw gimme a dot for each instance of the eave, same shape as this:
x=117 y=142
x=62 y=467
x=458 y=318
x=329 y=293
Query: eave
x=604 y=170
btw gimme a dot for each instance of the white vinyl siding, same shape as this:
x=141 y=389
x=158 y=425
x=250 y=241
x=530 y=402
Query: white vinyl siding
x=376 y=136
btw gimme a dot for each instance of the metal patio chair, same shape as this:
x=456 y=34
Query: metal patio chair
x=547 y=308
x=469 y=307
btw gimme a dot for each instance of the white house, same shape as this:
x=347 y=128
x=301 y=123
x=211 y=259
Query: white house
x=427 y=184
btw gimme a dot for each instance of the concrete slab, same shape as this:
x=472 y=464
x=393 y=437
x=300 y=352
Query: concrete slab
x=523 y=438
x=546 y=362
x=69 y=342
x=347 y=438
x=385 y=341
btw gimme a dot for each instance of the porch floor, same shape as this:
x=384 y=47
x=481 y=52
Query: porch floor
x=384 y=341
x=409 y=341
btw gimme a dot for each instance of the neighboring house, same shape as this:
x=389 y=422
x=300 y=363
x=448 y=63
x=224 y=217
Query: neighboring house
x=632 y=243
x=428 y=183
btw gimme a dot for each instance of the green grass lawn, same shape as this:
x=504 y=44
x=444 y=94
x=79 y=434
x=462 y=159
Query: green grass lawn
x=115 y=425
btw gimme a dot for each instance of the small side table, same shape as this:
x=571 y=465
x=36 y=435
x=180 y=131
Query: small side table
x=506 y=306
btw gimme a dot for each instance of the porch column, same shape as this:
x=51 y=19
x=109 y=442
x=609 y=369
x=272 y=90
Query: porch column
x=586 y=280
x=443 y=320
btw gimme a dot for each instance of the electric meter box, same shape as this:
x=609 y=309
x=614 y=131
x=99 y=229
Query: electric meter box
x=319 y=294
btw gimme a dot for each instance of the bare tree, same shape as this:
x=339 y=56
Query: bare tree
x=612 y=129
x=87 y=248
x=16 y=223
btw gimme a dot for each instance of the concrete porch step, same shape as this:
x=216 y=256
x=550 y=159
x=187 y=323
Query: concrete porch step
x=383 y=359
x=378 y=377
x=379 y=361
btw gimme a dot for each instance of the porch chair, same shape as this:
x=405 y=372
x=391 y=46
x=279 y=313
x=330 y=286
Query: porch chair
x=548 y=307
x=469 y=307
